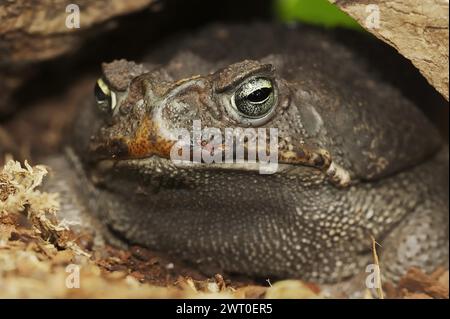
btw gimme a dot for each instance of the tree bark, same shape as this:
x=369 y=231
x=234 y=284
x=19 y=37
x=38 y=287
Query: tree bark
x=418 y=29
x=37 y=30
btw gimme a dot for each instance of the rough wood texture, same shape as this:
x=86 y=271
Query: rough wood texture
x=418 y=29
x=36 y=30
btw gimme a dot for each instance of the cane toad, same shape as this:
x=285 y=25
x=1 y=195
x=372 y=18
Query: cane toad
x=356 y=159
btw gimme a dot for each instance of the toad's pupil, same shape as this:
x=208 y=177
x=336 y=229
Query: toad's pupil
x=99 y=94
x=259 y=95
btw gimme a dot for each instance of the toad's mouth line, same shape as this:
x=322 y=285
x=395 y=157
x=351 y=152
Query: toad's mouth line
x=333 y=172
x=161 y=163
x=312 y=159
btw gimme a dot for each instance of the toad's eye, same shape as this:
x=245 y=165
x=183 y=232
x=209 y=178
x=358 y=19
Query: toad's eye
x=255 y=98
x=106 y=99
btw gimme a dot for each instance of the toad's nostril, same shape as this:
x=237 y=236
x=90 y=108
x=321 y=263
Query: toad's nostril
x=101 y=149
x=118 y=148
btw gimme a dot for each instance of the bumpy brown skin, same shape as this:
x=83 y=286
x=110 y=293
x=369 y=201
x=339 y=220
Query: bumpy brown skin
x=357 y=160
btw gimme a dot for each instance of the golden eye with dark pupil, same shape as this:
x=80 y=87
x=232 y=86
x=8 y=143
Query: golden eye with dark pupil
x=260 y=95
x=106 y=98
x=100 y=96
x=254 y=98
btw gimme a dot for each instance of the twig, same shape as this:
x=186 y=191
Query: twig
x=377 y=262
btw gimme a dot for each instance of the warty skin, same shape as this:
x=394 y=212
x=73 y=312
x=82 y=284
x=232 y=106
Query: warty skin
x=357 y=160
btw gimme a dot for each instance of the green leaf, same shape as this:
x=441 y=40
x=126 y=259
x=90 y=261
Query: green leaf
x=319 y=12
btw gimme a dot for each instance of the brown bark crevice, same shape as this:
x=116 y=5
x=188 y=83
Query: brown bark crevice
x=417 y=29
